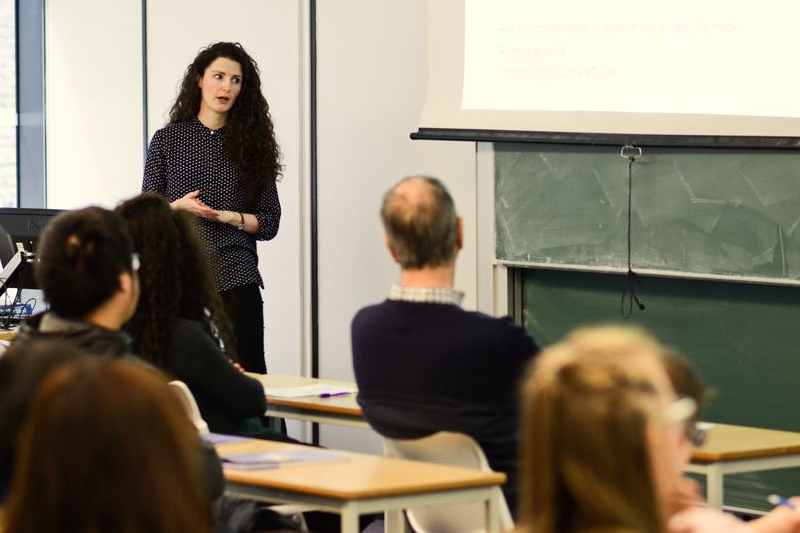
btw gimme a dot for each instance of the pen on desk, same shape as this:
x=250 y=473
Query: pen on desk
x=778 y=501
x=333 y=394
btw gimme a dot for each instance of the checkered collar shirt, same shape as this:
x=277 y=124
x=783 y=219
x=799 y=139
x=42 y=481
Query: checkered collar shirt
x=428 y=295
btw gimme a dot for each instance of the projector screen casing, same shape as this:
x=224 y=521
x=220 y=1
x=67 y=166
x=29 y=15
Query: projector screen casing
x=442 y=117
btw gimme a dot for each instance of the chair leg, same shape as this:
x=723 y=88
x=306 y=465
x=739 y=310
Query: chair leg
x=296 y=512
x=396 y=522
x=349 y=521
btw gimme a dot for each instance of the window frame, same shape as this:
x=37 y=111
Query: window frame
x=31 y=120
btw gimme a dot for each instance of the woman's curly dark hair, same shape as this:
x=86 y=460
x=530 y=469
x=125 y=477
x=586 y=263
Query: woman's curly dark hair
x=175 y=277
x=249 y=134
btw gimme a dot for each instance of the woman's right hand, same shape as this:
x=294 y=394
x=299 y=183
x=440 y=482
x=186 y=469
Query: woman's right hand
x=782 y=519
x=191 y=203
x=705 y=520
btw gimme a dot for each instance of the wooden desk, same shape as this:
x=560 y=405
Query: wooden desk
x=728 y=449
x=340 y=410
x=738 y=449
x=361 y=484
x=7 y=334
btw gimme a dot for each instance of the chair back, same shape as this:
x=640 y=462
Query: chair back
x=190 y=405
x=455 y=449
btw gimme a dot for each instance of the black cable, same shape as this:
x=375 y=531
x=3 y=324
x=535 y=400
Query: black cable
x=629 y=295
x=15 y=314
x=4 y=322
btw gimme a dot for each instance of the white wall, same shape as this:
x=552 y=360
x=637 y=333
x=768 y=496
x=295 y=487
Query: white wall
x=371 y=83
x=95 y=116
x=371 y=86
x=93 y=101
x=176 y=31
x=271 y=34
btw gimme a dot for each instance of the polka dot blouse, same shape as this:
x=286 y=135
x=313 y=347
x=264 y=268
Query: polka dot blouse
x=185 y=157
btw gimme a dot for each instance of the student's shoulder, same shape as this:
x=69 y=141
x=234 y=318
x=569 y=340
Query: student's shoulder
x=501 y=323
x=187 y=329
x=374 y=321
x=192 y=344
x=372 y=312
x=502 y=329
x=191 y=337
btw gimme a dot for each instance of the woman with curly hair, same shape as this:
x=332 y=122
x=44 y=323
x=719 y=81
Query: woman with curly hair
x=217 y=158
x=180 y=326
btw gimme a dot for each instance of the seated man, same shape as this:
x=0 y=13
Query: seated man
x=423 y=364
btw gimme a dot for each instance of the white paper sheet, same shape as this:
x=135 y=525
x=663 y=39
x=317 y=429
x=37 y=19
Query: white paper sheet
x=317 y=390
x=713 y=57
x=269 y=460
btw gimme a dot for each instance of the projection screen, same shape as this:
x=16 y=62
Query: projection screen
x=710 y=68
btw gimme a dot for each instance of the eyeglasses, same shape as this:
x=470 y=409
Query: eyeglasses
x=680 y=412
x=135 y=263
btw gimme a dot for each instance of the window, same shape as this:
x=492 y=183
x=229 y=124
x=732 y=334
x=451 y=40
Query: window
x=23 y=57
x=8 y=104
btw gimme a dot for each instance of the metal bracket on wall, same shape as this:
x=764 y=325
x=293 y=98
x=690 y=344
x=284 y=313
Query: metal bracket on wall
x=515 y=296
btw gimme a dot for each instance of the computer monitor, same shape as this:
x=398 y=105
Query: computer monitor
x=20 y=229
x=19 y=234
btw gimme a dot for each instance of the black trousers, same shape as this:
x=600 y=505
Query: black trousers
x=245 y=308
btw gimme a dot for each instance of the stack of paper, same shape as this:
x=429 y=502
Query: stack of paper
x=318 y=389
x=267 y=460
x=220 y=438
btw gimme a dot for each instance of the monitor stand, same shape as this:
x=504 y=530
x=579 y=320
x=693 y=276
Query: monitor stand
x=12 y=273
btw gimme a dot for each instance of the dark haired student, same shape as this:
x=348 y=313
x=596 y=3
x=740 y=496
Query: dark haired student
x=217 y=158
x=87 y=270
x=70 y=480
x=179 y=326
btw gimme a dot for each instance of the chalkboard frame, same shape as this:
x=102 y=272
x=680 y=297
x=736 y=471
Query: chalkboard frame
x=607 y=139
x=656 y=273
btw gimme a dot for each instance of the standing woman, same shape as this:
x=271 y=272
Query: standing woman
x=217 y=158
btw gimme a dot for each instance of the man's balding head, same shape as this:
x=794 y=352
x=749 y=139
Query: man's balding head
x=421 y=223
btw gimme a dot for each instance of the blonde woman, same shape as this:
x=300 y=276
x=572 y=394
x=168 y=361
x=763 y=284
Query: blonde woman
x=604 y=443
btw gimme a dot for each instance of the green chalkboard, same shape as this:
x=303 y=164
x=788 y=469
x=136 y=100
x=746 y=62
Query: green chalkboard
x=743 y=338
x=729 y=213
x=722 y=212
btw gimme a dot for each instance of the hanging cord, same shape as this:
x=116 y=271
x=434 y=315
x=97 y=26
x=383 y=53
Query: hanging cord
x=629 y=296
